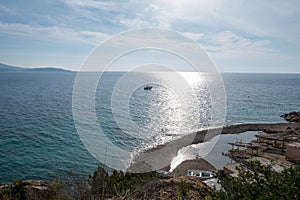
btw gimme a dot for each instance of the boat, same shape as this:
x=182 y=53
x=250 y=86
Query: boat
x=200 y=174
x=147 y=87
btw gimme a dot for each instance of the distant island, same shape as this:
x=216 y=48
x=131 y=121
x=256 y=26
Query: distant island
x=10 y=68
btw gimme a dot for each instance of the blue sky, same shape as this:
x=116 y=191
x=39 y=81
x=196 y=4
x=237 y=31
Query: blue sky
x=239 y=36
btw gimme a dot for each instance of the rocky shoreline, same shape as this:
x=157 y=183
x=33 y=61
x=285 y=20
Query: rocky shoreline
x=201 y=136
x=160 y=156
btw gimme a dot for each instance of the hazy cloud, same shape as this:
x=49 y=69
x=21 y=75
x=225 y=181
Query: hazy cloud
x=52 y=32
x=232 y=44
x=102 y=5
x=194 y=36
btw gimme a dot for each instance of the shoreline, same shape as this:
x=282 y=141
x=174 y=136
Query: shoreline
x=161 y=156
x=200 y=136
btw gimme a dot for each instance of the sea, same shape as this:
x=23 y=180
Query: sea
x=39 y=139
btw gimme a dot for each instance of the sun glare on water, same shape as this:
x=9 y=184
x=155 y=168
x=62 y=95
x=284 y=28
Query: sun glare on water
x=192 y=78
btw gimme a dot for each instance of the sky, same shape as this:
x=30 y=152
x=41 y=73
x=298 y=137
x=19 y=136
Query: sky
x=238 y=35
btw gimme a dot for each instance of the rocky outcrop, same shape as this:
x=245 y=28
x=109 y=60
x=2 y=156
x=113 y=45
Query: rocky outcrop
x=26 y=189
x=292 y=116
x=182 y=187
x=26 y=184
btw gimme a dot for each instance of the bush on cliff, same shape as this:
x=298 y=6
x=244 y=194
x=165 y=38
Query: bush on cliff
x=118 y=183
x=260 y=182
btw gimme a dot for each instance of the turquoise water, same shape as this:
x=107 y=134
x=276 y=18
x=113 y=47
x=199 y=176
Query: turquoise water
x=38 y=139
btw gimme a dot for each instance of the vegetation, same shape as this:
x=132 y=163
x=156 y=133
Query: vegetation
x=184 y=188
x=118 y=184
x=14 y=192
x=253 y=182
x=260 y=182
x=101 y=185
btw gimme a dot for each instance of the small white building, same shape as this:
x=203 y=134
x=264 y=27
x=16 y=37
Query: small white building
x=293 y=151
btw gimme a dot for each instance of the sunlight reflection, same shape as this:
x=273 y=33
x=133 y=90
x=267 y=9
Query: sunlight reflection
x=193 y=78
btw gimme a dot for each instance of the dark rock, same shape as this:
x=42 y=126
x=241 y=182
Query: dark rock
x=292 y=116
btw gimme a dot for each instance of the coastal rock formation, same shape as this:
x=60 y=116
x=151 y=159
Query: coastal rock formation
x=182 y=187
x=26 y=189
x=27 y=184
x=292 y=116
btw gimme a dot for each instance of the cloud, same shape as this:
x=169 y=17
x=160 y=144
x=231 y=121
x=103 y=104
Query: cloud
x=265 y=31
x=194 y=36
x=230 y=44
x=260 y=18
x=136 y=23
x=4 y=9
x=101 y=5
x=276 y=19
x=52 y=32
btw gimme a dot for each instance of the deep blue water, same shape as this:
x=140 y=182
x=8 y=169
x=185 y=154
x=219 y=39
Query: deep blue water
x=38 y=138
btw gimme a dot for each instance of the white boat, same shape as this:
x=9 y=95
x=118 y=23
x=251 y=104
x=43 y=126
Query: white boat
x=200 y=174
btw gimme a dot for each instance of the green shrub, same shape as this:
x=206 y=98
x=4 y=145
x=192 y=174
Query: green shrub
x=118 y=183
x=260 y=182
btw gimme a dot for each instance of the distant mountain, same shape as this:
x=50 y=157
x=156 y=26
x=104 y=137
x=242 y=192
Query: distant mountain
x=47 y=69
x=4 y=67
x=9 y=68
